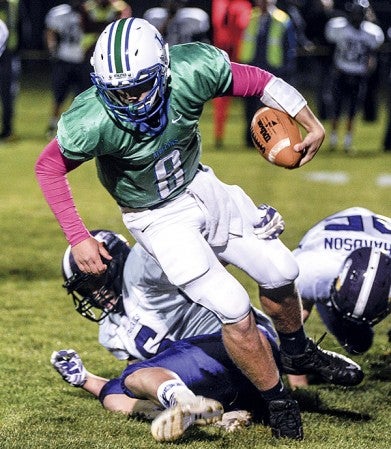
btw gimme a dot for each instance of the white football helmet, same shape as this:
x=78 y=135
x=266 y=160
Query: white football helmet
x=131 y=58
x=94 y=297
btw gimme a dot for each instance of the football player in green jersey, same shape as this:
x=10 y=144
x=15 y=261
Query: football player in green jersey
x=139 y=121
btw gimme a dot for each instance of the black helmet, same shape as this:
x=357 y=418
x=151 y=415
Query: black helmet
x=103 y=292
x=361 y=292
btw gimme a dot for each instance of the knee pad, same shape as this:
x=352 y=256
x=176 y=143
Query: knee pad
x=221 y=293
x=269 y=262
x=282 y=269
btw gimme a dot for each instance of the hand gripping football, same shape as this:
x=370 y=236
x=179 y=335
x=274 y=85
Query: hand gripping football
x=274 y=134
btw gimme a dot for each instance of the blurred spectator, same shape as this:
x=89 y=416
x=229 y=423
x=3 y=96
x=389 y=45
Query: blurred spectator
x=293 y=8
x=63 y=38
x=269 y=42
x=229 y=20
x=356 y=41
x=316 y=14
x=97 y=14
x=179 y=24
x=4 y=33
x=9 y=68
x=371 y=98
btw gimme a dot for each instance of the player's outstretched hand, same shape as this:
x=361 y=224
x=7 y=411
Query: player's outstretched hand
x=315 y=134
x=88 y=256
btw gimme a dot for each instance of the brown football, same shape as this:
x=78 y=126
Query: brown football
x=274 y=134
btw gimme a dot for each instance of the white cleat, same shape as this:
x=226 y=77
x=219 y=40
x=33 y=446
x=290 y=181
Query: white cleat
x=172 y=423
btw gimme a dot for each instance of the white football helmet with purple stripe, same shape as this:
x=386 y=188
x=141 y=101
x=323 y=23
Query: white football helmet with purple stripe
x=131 y=70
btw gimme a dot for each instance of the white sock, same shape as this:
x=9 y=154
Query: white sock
x=173 y=391
x=333 y=138
x=348 y=140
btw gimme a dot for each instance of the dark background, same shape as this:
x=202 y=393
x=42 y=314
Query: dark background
x=34 y=57
x=33 y=14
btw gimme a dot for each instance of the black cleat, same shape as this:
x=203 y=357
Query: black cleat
x=285 y=419
x=329 y=366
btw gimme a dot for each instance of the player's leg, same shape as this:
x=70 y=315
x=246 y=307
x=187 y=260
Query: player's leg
x=59 y=93
x=274 y=268
x=177 y=379
x=220 y=113
x=6 y=98
x=201 y=364
x=184 y=365
x=247 y=348
x=356 y=89
x=174 y=238
x=336 y=102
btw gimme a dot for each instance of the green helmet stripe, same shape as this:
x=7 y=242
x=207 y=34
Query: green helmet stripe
x=117 y=46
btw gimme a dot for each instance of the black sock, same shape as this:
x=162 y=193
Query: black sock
x=293 y=343
x=277 y=392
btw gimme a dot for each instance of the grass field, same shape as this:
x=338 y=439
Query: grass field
x=38 y=410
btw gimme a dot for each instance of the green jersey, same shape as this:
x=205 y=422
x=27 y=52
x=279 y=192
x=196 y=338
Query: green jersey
x=139 y=170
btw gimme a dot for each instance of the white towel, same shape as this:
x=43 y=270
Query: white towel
x=226 y=206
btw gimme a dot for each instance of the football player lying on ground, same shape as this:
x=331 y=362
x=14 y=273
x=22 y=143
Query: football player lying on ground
x=193 y=379
x=345 y=271
x=140 y=313
x=140 y=122
x=143 y=312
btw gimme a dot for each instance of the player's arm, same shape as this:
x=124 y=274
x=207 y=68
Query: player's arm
x=51 y=171
x=250 y=81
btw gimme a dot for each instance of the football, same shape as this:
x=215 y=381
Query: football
x=274 y=134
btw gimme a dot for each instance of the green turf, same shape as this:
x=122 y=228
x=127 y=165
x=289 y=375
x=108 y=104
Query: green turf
x=38 y=410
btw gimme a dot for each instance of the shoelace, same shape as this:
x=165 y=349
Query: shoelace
x=321 y=339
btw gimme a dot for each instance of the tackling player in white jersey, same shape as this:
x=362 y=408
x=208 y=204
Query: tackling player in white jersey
x=145 y=312
x=345 y=271
x=143 y=316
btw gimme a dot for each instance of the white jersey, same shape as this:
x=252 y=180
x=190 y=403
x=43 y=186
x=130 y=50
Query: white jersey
x=353 y=46
x=67 y=24
x=323 y=249
x=156 y=312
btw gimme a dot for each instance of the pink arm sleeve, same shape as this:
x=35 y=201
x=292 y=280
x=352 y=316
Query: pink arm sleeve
x=51 y=169
x=248 y=81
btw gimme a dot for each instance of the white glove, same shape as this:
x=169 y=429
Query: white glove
x=271 y=223
x=70 y=366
